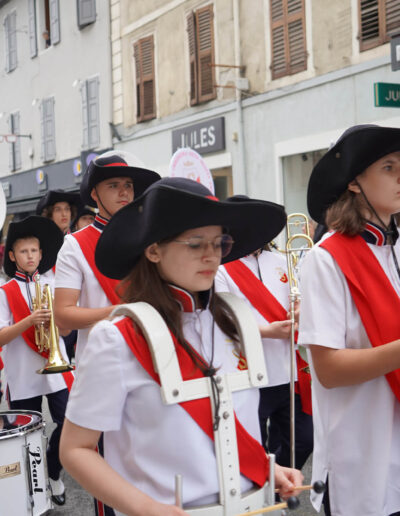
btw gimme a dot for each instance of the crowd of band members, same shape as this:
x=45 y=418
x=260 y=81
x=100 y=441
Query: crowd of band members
x=354 y=191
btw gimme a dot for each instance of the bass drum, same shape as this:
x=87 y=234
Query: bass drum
x=24 y=484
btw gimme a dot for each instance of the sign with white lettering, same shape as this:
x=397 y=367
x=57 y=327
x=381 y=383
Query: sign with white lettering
x=204 y=137
x=187 y=163
x=387 y=94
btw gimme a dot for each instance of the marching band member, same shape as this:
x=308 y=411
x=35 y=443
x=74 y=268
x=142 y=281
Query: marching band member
x=59 y=206
x=350 y=285
x=261 y=279
x=84 y=217
x=109 y=182
x=171 y=264
x=31 y=249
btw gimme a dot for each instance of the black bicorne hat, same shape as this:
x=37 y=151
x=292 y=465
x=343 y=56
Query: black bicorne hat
x=115 y=164
x=45 y=230
x=54 y=196
x=174 y=205
x=358 y=148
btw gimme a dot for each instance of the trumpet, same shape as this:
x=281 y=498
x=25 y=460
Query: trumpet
x=298 y=242
x=46 y=335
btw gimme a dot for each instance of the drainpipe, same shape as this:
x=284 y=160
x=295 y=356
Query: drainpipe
x=242 y=184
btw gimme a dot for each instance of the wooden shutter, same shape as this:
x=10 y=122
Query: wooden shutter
x=48 y=129
x=369 y=21
x=32 y=28
x=392 y=18
x=205 y=53
x=288 y=37
x=93 y=112
x=192 y=40
x=54 y=22
x=145 y=79
x=86 y=11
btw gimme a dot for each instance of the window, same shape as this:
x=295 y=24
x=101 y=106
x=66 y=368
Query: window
x=378 y=21
x=86 y=11
x=288 y=37
x=47 y=125
x=201 y=55
x=15 y=147
x=32 y=28
x=90 y=113
x=145 y=79
x=50 y=22
x=10 y=32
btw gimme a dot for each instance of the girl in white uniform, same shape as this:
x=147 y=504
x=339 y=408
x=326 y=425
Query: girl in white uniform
x=350 y=284
x=171 y=264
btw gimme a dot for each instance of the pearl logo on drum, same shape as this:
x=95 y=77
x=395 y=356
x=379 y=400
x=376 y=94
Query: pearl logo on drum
x=35 y=461
x=10 y=470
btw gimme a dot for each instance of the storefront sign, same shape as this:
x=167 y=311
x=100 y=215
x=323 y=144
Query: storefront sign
x=204 y=137
x=387 y=94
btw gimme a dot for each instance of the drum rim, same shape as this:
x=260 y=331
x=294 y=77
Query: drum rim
x=20 y=431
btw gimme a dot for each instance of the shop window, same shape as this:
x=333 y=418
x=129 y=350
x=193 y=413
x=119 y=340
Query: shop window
x=223 y=182
x=10 y=33
x=379 y=20
x=288 y=37
x=145 y=79
x=201 y=55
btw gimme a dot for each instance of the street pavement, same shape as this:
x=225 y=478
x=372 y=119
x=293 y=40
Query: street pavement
x=80 y=503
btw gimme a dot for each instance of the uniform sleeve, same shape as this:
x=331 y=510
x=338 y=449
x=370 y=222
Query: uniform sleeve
x=99 y=391
x=6 y=318
x=68 y=271
x=324 y=296
x=220 y=282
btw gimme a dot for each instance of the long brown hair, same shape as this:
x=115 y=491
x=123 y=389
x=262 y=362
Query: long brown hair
x=144 y=283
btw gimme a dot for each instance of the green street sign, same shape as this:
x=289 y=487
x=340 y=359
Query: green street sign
x=387 y=94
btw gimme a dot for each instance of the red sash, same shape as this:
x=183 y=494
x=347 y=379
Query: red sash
x=87 y=240
x=253 y=461
x=269 y=307
x=374 y=296
x=20 y=310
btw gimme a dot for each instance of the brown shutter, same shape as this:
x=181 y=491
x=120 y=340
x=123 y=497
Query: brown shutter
x=145 y=83
x=392 y=14
x=288 y=37
x=205 y=53
x=192 y=58
x=369 y=24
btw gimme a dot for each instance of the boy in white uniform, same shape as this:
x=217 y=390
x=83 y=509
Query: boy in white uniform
x=31 y=249
x=350 y=284
x=83 y=296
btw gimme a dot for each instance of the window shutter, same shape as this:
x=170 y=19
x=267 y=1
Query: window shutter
x=192 y=58
x=48 y=129
x=145 y=78
x=54 y=22
x=32 y=28
x=10 y=34
x=205 y=49
x=392 y=14
x=15 y=154
x=139 y=109
x=6 y=25
x=93 y=112
x=288 y=39
x=369 y=24
x=85 y=116
x=11 y=146
x=86 y=10
x=42 y=131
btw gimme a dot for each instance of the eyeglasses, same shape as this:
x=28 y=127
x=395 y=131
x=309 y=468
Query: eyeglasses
x=222 y=245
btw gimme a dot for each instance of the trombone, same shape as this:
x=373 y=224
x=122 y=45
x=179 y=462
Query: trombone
x=298 y=242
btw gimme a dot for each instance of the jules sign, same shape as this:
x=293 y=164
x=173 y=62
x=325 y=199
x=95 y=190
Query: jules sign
x=205 y=137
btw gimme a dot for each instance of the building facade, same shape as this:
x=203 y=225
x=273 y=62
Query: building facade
x=56 y=97
x=260 y=88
